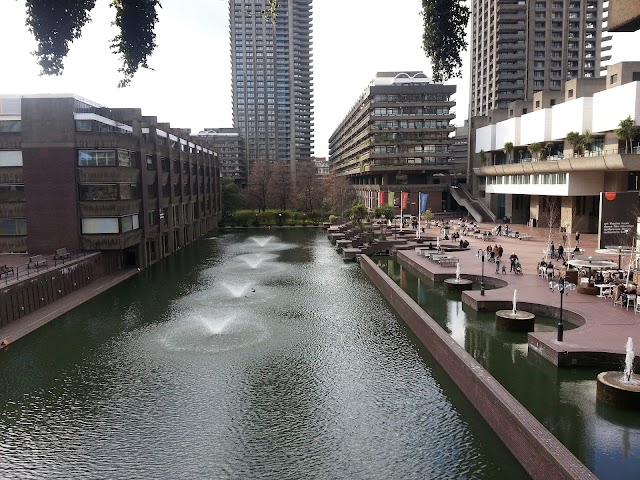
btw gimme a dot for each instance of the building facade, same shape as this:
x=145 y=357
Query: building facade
x=396 y=138
x=272 y=84
x=77 y=175
x=521 y=47
x=228 y=144
x=545 y=178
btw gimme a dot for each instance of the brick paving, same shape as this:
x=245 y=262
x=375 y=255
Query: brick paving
x=599 y=341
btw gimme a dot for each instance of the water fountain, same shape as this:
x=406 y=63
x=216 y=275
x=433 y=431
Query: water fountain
x=254 y=261
x=261 y=241
x=457 y=284
x=238 y=291
x=621 y=389
x=515 y=319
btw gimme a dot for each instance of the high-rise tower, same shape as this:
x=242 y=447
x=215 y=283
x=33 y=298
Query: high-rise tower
x=272 y=79
x=520 y=47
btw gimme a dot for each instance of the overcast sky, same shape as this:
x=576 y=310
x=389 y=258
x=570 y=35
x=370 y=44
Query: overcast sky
x=190 y=86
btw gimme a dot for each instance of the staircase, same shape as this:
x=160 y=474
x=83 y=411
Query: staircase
x=476 y=209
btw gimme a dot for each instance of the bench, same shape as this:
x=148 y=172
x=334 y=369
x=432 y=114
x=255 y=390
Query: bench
x=4 y=270
x=449 y=261
x=37 y=261
x=61 y=253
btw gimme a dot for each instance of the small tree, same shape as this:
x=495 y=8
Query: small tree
x=483 y=157
x=547 y=149
x=576 y=141
x=588 y=140
x=358 y=212
x=627 y=131
x=508 y=150
x=535 y=149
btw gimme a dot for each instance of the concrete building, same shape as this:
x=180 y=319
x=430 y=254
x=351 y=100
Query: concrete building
x=77 y=175
x=228 y=144
x=396 y=139
x=522 y=47
x=525 y=186
x=272 y=82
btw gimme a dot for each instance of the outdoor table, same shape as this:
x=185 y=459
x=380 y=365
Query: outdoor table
x=605 y=289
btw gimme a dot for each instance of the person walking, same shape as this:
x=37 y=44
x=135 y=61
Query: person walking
x=561 y=252
x=498 y=258
x=552 y=249
x=577 y=238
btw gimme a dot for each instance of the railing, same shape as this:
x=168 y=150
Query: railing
x=594 y=153
x=27 y=270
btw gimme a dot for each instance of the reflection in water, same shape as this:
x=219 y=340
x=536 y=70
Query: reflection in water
x=564 y=400
x=171 y=375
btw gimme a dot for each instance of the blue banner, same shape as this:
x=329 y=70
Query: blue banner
x=423 y=202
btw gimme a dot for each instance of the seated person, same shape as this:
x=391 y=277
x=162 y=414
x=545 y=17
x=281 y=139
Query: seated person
x=576 y=250
x=599 y=278
x=461 y=244
x=465 y=244
x=542 y=263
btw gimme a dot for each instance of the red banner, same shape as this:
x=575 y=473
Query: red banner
x=380 y=198
x=405 y=200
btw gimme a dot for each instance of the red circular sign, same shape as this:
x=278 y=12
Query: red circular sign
x=610 y=195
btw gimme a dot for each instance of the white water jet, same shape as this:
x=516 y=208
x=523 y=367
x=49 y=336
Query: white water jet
x=216 y=327
x=628 y=362
x=438 y=243
x=254 y=261
x=515 y=293
x=261 y=241
x=457 y=272
x=237 y=291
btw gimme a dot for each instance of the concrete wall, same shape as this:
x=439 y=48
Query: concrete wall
x=539 y=452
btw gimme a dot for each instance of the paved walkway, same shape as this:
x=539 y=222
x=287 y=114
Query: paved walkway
x=598 y=342
x=27 y=324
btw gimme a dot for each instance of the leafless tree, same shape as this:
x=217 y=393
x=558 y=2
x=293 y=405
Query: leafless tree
x=258 y=185
x=281 y=189
x=308 y=187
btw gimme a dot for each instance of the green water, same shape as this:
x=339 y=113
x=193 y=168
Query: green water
x=239 y=357
x=604 y=438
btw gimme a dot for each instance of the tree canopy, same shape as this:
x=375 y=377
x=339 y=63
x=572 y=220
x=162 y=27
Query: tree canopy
x=56 y=24
x=444 y=36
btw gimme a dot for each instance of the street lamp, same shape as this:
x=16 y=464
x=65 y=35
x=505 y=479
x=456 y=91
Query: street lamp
x=481 y=254
x=561 y=285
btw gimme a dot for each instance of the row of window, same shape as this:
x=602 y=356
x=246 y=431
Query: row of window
x=95 y=126
x=415 y=124
x=535 y=179
x=410 y=111
x=410 y=148
x=407 y=98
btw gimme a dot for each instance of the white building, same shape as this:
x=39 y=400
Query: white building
x=523 y=186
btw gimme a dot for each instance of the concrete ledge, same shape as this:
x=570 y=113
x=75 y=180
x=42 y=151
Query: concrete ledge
x=538 y=451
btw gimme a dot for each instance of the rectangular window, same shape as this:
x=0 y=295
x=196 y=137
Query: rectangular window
x=13 y=226
x=98 y=192
x=12 y=193
x=150 y=163
x=129 y=222
x=613 y=78
x=99 y=226
x=10 y=126
x=10 y=158
x=84 y=125
x=96 y=158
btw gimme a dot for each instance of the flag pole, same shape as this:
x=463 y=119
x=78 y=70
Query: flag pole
x=418 y=231
x=401 y=217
